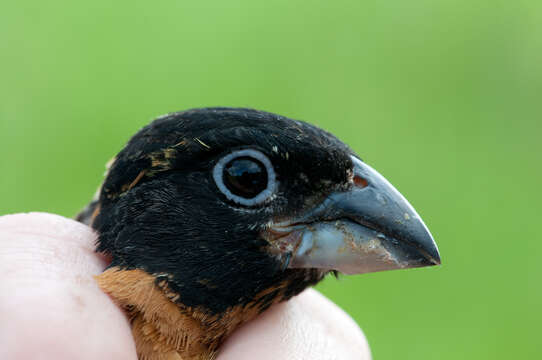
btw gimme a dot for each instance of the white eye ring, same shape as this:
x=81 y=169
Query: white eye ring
x=218 y=176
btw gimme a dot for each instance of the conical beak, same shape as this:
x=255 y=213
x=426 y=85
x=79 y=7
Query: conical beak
x=370 y=227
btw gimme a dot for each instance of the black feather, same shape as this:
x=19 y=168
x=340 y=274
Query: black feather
x=161 y=211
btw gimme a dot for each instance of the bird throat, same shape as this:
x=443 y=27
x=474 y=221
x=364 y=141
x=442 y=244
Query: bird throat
x=162 y=327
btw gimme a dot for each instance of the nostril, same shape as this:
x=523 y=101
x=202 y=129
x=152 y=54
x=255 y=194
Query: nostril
x=360 y=182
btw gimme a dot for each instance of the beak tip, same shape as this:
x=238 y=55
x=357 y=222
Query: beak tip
x=433 y=256
x=436 y=260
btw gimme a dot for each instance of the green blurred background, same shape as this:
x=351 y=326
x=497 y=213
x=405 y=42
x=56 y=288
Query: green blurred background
x=443 y=98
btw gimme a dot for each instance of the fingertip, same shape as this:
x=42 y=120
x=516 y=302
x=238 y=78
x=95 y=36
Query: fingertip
x=308 y=326
x=50 y=225
x=48 y=296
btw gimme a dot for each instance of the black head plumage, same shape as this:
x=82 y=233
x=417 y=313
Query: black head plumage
x=160 y=208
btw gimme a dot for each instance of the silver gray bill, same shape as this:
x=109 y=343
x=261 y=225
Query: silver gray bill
x=370 y=227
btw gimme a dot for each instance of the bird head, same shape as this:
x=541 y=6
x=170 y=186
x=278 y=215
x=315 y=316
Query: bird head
x=232 y=207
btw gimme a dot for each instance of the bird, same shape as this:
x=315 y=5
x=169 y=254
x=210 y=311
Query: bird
x=210 y=216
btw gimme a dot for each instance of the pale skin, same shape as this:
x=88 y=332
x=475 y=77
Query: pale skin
x=51 y=307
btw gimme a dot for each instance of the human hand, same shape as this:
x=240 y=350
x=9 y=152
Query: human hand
x=51 y=307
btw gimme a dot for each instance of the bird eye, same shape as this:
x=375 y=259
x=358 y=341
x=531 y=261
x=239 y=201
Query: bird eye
x=245 y=177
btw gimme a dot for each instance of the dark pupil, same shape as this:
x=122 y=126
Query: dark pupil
x=245 y=177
